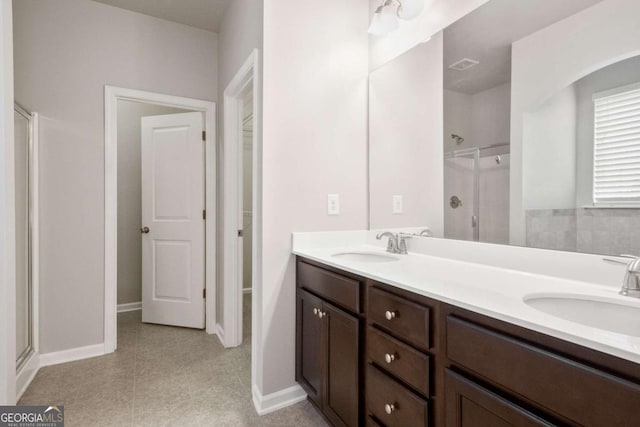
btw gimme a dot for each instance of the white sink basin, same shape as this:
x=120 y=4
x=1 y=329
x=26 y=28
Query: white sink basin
x=365 y=257
x=622 y=317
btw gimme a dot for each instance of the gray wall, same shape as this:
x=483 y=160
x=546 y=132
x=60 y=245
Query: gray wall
x=65 y=52
x=130 y=196
x=549 y=153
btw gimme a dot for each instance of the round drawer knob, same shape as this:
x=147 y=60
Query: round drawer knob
x=389 y=408
x=321 y=314
x=389 y=357
x=390 y=315
x=315 y=311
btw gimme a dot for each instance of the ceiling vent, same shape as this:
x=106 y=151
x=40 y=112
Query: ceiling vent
x=463 y=64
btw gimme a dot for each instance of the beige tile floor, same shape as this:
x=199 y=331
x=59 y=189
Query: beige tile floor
x=161 y=376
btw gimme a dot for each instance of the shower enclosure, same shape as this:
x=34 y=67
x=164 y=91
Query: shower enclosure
x=24 y=137
x=476 y=188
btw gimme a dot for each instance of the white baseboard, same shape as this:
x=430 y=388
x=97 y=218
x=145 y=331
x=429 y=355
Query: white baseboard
x=246 y=290
x=26 y=374
x=72 y=354
x=278 y=400
x=220 y=333
x=132 y=306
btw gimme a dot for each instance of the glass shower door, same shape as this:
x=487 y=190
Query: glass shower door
x=494 y=197
x=24 y=336
x=461 y=219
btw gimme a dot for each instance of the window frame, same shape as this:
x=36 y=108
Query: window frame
x=612 y=204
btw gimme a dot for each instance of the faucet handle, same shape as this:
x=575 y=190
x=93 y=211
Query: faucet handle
x=632 y=262
x=402 y=242
x=392 y=244
x=631 y=258
x=615 y=260
x=425 y=232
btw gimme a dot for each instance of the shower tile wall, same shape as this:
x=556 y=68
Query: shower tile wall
x=609 y=231
x=601 y=231
x=552 y=229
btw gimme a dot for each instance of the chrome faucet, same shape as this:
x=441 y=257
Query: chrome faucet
x=392 y=244
x=631 y=283
x=397 y=242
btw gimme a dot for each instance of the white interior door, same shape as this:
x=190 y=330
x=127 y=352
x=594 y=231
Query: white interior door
x=173 y=268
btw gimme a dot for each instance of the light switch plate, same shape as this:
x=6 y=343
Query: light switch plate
x=397 y=204
x=333 y=204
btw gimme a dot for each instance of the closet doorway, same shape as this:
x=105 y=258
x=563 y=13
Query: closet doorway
x=242 y=294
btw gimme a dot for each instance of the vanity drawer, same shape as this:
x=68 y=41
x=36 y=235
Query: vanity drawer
x=568 y=388
x=407 y=410
x=372 y=423
x=403 y=318
x=408 y=364
x=341 y=290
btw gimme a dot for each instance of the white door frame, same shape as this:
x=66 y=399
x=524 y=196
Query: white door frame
x=112 y=95
x=249 y=73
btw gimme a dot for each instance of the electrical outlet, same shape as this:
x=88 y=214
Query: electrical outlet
x=333 y=204
x=397 y=204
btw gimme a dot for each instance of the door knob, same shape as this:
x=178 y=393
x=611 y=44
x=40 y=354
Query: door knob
x=390 y=315
x=144 y=230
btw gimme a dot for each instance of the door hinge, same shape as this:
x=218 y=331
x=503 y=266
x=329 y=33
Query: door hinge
x=204 y=214
x=204 y=293
x=204 y=135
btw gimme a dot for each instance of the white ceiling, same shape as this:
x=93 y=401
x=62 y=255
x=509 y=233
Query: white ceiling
x=203 y=14
x=487 y=33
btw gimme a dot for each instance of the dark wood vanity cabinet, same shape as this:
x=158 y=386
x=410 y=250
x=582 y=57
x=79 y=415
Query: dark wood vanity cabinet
x=399 y=354
x=377 y=355
x=328 y=342
x=495 y=369
x=469 y=404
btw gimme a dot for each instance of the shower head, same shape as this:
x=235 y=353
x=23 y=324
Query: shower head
x=457 y=138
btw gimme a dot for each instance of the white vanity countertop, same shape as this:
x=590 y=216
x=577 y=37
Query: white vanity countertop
x=499 y=293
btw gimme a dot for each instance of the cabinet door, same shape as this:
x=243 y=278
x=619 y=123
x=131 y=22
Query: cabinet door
x=341 y=398
x=309 y=349
x=470 y=405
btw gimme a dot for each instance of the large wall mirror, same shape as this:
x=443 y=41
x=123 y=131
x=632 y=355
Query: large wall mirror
x=518 y=124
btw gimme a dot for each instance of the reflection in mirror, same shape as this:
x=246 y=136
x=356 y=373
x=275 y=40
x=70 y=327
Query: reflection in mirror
x=582 y=164
x=405 y=114
x=540 y=140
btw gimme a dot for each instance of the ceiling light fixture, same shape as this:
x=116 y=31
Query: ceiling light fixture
x=385 y=18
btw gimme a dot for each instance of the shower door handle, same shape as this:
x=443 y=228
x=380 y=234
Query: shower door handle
x=474 y=221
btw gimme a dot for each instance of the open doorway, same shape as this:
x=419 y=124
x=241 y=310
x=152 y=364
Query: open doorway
x=242 y=207
x=160 y=205
x=160 y=188
x=247 y=209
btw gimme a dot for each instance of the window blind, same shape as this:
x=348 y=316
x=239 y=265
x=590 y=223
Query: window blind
x=616 y=174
